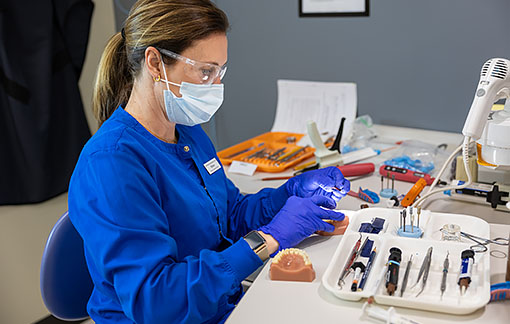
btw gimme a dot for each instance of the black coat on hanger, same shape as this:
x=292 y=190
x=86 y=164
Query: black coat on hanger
x=42 y=123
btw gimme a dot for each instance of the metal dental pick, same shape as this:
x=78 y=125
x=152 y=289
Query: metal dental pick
x=406 y=276
x=446 y=265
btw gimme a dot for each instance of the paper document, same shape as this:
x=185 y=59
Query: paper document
x=242 y=168
x=333 y=5
x=325 y=103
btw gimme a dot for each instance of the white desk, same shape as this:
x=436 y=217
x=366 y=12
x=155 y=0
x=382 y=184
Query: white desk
x=294 y=302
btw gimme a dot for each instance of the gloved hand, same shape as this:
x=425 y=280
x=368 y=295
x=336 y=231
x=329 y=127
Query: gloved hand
x=319 y=182
x=300 y=218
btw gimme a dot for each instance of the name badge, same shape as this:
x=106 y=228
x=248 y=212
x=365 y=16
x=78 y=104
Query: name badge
x=212 y=165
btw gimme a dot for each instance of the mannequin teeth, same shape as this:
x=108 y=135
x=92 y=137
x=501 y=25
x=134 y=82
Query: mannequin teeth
x=292 y=251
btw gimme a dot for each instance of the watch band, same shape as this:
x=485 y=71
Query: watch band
x=258 y=244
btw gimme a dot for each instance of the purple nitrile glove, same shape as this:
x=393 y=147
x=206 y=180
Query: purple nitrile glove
x=300 y=218
x=319 y=182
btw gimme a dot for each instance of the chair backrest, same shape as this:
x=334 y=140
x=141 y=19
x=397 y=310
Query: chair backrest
x=65 y=280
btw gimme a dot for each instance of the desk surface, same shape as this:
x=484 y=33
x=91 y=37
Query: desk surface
x=296 y=302
x=293 y=302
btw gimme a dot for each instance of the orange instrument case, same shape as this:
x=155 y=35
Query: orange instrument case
x=268 y=151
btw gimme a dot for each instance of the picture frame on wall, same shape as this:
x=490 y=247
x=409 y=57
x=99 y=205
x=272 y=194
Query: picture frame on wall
x=334 y=8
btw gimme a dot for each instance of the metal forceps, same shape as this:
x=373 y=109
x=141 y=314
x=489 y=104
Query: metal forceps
x=424 y=271
x=481 y=243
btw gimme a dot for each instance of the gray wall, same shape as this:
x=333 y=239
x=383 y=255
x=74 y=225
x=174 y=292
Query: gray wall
x=416 y=63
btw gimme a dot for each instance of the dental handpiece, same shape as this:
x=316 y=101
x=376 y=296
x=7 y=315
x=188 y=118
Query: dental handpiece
x=393 y=268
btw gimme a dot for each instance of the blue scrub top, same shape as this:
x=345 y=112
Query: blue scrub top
x=161 y=234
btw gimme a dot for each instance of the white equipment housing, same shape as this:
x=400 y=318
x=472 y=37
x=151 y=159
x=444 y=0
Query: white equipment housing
x=491 y=130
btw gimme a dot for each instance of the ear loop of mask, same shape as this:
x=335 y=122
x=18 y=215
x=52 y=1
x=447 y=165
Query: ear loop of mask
x=166 y=78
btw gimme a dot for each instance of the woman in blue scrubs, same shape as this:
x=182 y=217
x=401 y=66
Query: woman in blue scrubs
x=168 y=238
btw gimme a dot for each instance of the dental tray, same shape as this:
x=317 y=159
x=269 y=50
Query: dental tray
x=271 y=143
x=477 y=294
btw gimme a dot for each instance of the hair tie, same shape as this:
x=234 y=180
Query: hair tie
x=123 y=33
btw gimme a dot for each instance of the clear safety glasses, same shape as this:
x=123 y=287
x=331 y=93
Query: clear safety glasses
x=205 y=72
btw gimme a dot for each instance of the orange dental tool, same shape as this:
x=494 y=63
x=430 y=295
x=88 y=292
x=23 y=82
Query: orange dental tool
x=413 y=193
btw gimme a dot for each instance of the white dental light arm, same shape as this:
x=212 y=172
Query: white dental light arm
x=494 y=85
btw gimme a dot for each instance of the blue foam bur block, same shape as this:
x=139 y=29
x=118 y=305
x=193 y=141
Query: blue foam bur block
x=367 y=249
x=365 y=228
x=388 y=193
x=378 y=223
x=414 y=232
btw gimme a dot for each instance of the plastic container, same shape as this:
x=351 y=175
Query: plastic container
x=476 y=296
x=272 y=142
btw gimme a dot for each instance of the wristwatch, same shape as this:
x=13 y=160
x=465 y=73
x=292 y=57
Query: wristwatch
x=257 y=244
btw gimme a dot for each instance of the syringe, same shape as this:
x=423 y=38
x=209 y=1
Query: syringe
x=466 y=267
x=387 y=316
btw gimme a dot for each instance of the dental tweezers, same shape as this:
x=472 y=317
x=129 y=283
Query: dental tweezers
x=424 y=271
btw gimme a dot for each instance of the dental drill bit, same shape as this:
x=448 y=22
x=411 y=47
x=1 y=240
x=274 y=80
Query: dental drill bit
x=404 y=217
x=412 y=219
x=446 y=265
x=419 y=212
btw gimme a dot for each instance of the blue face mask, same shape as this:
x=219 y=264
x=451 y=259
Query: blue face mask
x=199 y=102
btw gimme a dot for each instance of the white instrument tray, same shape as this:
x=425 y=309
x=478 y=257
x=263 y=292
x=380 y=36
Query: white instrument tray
x=476 y=296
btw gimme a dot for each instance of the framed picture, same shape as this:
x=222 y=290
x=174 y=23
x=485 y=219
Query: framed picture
x=332 y=8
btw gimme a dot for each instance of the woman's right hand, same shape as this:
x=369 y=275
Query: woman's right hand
x=300 y=218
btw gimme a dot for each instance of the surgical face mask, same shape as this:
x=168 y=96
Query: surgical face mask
x=197 y=105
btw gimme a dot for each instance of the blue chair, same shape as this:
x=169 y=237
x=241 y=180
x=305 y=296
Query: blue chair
x=65 y=280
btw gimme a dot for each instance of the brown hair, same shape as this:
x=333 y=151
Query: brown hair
x=168 y=24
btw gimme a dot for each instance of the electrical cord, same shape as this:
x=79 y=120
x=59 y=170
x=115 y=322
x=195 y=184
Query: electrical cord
x=465 y=158
x=445 y=165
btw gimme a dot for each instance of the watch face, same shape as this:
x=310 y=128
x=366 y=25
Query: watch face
x=257 y=244
x=254 y=239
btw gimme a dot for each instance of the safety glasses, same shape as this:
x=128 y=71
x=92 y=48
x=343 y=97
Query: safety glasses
x=205 y=72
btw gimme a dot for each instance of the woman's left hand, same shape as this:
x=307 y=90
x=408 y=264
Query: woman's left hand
x=324 y=182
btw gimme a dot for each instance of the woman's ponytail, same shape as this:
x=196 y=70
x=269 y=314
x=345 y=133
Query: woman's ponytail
x=113 y=80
